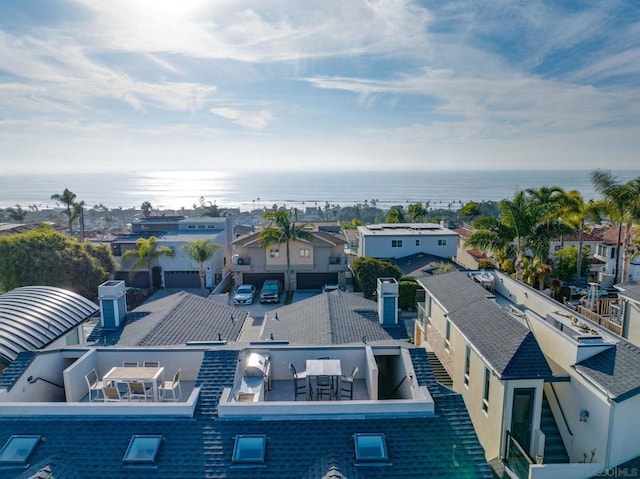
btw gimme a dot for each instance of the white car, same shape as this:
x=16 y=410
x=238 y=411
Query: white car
x=244 y=294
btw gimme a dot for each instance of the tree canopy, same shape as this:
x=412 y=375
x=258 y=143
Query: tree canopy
x=368 y=270
x=201 y=251
x=145 y=254
x=48 y=258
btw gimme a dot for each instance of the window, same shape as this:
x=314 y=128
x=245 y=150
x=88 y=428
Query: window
x=613 y=253
x=249 y=448
x=305 y=252
x=142 y=450
x=485 y=390
x=442 y=242
x=467 y=364
x=556 y=247
x=447 y=337
x=396 y=243
x=17 y=449
x=370 y=447
x=417 y=242
x=274 y=253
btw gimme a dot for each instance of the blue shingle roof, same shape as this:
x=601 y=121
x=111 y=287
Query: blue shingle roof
x=202 y=446
x=330 y=318
x=615 y=370
x=507 y=346
x=174 y=320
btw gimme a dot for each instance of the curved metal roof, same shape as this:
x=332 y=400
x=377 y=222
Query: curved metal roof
x=33 y=316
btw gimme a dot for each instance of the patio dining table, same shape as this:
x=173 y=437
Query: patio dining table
x=120 y=374
x=323 y=367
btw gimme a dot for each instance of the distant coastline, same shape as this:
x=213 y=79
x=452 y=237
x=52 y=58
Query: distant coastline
x=253 y=189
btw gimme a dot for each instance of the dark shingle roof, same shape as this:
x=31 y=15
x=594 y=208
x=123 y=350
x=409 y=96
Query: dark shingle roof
x=629 y=290
x=507 y=346
x=615 y=370
x=330 y=318
x=175 y=320
x=202 y=446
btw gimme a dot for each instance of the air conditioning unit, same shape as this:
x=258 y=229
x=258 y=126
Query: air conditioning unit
x=235 y=259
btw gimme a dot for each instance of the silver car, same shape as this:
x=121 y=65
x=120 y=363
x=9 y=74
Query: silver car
x=244 y=294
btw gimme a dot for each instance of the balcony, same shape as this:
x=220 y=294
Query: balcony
x=337 y=263
x=275 y=394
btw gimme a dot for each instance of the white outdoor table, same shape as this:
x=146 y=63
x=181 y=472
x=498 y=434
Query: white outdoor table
x=323 y=367
x=147 y=375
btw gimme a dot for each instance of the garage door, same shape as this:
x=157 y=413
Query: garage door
x=315 y=280
x=181 y=279
x=257 y=279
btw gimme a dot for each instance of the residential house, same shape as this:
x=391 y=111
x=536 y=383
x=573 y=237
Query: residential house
x=35 y=317
x=237 y=414
x=629 y=298
x=588 y=409
x=175 y=232
x=337 y=317
x=494 y=361
x=396 y=240
x=611 y=238
x=314 y=262
x=468 y=257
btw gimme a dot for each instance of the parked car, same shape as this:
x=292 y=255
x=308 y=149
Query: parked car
x=327 y=288
x=270 y=291
x=244 y=294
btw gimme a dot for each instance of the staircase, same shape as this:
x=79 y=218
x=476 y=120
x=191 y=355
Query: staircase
x=554 y=450
x=439 y=372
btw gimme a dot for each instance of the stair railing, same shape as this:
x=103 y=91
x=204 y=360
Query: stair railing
x=565 y=424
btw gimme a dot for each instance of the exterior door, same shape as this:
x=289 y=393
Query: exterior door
x=521 y=416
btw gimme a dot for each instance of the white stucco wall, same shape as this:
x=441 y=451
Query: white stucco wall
x=379 y=246
x=626 y=426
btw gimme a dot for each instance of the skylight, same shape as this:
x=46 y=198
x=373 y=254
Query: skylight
x=17 y=449
x=370 y=447
x=142 y=450
x=249 y=449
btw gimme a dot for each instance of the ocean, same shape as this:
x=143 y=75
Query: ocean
x=249 y=190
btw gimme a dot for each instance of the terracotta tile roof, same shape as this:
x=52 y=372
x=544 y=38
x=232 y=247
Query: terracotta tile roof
x=476 y=253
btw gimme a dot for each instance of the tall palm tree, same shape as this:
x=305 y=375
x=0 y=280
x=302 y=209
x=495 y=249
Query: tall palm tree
x=549 y=204
x=576 y=213
x=16 y=214
x=623 y=208
x=201 y=251
x=417 y=211
x=511 y=231
x=146 y=208
x=145 y=254
x=281 y=229
x=67 y=198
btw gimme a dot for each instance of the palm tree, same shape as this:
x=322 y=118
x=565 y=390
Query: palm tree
x=201 y=251
x=535 y=271
x=146 y=252
x=67 y=198
x=16 y=214
x=146 y=208
x=623 y=207
x=282 y=230
x=549 y=204
x=576 y=213
x=417 y=212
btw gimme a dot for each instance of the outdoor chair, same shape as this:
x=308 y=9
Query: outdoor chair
x=139 y=391
x=324 y=384
x=299 y=382
x=94 y=384
x=172 y=387
x=346 y=384
x=151 y=364
x=130 y=364
x=111 y=394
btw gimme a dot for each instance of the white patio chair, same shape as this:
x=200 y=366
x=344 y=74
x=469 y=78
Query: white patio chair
x=94 y=384
x=139 y=391
x=346 y=384
x=172 y=387
x=111 y=394
x=151 y=364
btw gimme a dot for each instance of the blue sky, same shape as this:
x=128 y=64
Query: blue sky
x=380 y=84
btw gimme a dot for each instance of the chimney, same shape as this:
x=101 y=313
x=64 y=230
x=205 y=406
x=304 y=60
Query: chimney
x=113 y=303
x=388 y=293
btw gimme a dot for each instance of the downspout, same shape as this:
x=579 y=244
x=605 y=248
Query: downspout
x=607 y=459
x=617 y=266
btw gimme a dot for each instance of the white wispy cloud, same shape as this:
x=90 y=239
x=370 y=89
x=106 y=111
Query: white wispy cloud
x=252 y=120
